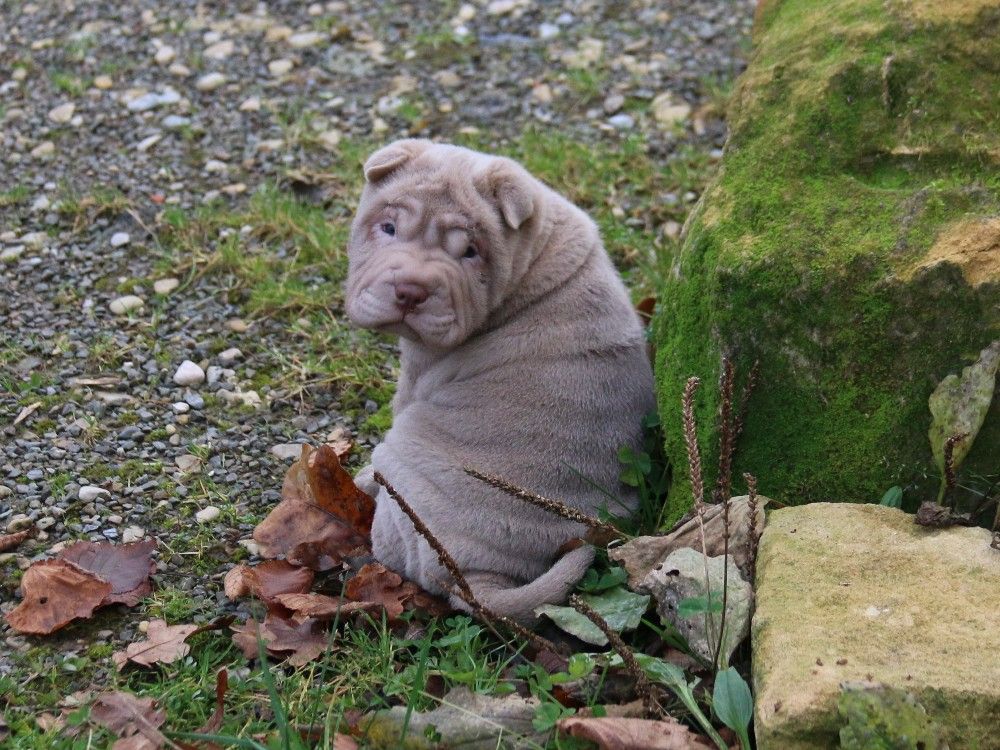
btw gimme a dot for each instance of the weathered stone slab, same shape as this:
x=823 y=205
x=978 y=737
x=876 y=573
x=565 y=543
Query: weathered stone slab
x=859 y=593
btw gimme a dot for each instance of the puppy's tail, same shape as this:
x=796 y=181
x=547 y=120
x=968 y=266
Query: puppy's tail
x=519 y=602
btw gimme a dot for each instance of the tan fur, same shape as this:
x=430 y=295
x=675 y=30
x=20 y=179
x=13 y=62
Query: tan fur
x=526 y=360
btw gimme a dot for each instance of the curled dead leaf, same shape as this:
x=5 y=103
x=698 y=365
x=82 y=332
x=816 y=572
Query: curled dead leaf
x=135 y=720
x=320 y=606
x=56 y=592
x=322 y=517
x=126 y=567
x=641 y=554
x=616 y=733
x=378 y=585
x=267 y=580
x=11 y=541
x=301 y=642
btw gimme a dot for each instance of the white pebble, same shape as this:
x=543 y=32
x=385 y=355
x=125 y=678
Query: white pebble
x=89 y=493
x=164 y=55
x=62 y=114
x=304 y=39
x=132 y=534
x=165 y=286
x=181 y=407
x=120 y=238
x=122 y=305
x=280 y=67
x=210 y=82
x=189 y=373
x=230 y=355
x=207 y=514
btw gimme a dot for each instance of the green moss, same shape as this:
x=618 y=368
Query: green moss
x=856 y=137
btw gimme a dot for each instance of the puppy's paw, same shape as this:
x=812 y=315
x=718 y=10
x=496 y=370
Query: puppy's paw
x=364 y=480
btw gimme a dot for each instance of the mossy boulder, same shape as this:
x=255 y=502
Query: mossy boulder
x=850 y=242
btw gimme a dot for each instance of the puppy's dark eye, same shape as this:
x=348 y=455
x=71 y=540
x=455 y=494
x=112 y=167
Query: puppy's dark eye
x=389 y=228
x=470 y=252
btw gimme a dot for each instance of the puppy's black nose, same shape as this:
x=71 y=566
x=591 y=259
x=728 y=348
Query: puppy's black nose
x=410 y=295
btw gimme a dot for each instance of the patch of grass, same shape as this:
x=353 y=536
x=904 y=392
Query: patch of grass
x=81 y=209
x=15 y=196
x=67 y=82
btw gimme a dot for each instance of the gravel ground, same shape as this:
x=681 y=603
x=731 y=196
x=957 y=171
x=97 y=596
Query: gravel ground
x=114 y=115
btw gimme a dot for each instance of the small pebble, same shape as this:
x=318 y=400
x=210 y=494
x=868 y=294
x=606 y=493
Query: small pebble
x=189 y=374
x=88 y=493
x=207 y=514
x=122 y=305
x=120 y=238
x=165 y=286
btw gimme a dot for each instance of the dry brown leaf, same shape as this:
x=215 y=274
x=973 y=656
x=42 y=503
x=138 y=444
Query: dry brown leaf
x=48 y=721
x=164 y=644
x=641 y=554
x=55 y=593
x=344 y=742
x=377 y=584
x=267 y=580
x=10 y=541
x=340 y=440
x=301 y=642
x=215 y=720
x=322 y=517
x=611 y=733
x=126 y=567
x=320 y=606
x=135 y=720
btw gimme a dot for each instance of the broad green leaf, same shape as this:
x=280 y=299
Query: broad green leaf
x=698 y=605
x=959 y=405
x=619 y=607
x=893 y=498
x=732 y=701
x=594 y=582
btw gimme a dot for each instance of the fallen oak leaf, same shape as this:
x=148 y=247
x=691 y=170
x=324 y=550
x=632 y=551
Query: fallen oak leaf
x=320 y=606
x=56 y=592
x=164 y=644
x=126 y=567
x=322 y=517
x=376 y=584
x=267 y=580
x=615 y=733
x=301 y=642
x=135 y=720
x=10 y=541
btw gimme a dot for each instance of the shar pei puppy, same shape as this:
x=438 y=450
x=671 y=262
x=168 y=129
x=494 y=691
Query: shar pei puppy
x=521 y=356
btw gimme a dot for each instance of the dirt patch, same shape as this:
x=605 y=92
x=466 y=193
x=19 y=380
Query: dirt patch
x=936 y=11
x=973 y=246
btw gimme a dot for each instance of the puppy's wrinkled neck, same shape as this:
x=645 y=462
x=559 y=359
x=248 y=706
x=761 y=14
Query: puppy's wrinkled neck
x=560 y=243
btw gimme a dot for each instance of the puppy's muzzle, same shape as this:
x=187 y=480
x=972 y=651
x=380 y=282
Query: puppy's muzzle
x=409 y=295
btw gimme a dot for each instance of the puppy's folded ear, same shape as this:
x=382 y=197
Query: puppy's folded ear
x=387 y=160
x=509 y=186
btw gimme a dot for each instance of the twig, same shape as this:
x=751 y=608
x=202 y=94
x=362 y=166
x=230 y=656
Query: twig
x=697 y=486
x=949 y=468
x=748 y=390
x=727 y=437
x=464 y=589
x=753 y=536
x=546 y=503
x=642 y=684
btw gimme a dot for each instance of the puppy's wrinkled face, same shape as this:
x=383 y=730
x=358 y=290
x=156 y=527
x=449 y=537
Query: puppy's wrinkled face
x=432 y=244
